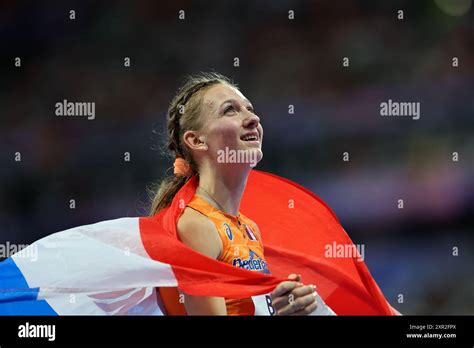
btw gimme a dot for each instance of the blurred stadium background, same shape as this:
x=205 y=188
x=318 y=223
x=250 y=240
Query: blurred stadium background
x=282 y=62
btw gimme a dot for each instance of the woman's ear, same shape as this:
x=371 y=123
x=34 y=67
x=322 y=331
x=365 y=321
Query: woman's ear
x=195 y=142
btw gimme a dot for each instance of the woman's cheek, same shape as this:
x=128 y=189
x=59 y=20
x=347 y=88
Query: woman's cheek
x=219 y=141
x=228 y=136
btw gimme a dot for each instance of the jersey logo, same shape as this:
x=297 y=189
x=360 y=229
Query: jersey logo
x=253 y=263
x=250 y=233
x=228 y=231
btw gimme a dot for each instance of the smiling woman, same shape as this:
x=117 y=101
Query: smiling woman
x=210 y=115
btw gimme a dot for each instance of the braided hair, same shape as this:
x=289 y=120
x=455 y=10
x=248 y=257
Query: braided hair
x=184 y=115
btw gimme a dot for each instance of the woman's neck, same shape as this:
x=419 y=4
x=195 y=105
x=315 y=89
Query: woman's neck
x=225 y=185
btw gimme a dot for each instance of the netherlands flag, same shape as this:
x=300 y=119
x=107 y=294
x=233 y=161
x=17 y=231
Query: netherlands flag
x=250 y=233
x=115 y=267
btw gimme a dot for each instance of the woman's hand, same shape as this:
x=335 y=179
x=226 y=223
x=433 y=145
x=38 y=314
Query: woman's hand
x=292 y=297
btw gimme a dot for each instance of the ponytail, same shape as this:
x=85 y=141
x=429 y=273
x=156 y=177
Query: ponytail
x=166 y=191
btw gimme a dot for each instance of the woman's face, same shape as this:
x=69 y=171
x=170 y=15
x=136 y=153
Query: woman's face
x=231 y=130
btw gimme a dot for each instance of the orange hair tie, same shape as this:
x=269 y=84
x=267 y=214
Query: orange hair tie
x=182 y=167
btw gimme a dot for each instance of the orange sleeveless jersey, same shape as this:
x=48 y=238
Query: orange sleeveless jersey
x=241 y=247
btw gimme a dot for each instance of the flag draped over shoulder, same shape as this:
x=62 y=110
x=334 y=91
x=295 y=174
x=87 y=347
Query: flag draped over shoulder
x=298 y=229
x=114 y=267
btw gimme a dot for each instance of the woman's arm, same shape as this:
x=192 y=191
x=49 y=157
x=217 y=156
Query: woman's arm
x=200 y=234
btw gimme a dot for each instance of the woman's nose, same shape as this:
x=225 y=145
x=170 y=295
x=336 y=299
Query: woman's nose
x=251 y=120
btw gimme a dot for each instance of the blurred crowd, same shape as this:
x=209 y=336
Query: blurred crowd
x=282 y=62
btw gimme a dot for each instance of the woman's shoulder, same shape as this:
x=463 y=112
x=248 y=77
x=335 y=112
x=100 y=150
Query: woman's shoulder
x=199 y=233
x=193 y=218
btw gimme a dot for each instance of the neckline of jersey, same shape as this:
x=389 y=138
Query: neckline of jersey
x=237 y=217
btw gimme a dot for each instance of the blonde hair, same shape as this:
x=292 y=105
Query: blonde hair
x=184 y=113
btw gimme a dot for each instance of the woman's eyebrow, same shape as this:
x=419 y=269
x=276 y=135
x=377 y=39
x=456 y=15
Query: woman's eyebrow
x=234 y=100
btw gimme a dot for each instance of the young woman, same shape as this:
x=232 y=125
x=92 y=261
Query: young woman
x=208 y=118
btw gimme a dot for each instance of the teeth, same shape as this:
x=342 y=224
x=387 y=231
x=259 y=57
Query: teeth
x=249 y=137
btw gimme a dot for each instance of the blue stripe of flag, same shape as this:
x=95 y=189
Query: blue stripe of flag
x=16 y=297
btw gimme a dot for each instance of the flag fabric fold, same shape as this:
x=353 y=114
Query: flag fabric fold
x=114 y=267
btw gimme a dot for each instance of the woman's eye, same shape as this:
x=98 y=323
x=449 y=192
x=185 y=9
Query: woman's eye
x=229 y=108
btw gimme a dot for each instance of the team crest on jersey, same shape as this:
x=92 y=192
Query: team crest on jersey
x=253 y=263
x=250 y=233
x=228 y=231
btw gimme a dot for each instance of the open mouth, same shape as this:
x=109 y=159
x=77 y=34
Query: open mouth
x=249 y=137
